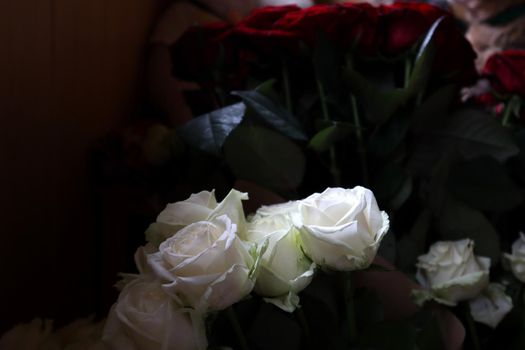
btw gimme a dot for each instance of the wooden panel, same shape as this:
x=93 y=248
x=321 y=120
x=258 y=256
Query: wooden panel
x=69 y=72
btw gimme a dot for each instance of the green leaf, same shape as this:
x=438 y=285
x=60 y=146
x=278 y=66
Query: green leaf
x=379 y=104
x=324 y=139
x=272 y=113
x=209 y=131
x=434 y=109
x=402 y=194
x=393 y=185
x=389 y=136
x=424 y=59
x=265 y=157
x=326 y=61
x=475 y=133
x=458 y=221
x=266 y=87
x=520 y=159
x=484 y=184
x=412 y=245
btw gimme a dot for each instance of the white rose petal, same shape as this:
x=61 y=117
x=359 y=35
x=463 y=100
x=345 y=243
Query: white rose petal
x=517 y=258
x=199 y=207
x=289 y=209
x=284 y=270
x=205 y=265
x=342 y=228
x=146 y=318
x=491 y=306
x=450 y=272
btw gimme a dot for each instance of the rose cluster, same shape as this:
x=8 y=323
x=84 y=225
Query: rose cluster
x=204 y=256
x=450 y=273
x=274 y=32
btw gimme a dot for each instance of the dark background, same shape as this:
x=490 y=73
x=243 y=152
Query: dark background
x=70 y=71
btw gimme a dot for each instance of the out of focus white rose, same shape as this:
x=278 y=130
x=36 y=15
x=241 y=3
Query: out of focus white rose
x=205 y=265
x=342 y=228
x=284 y=270
x=81 y=334
x=491 y=306
x=198 y=207
x=517 y=258
x=450 y=272
x=35 y=335
x=146 y=318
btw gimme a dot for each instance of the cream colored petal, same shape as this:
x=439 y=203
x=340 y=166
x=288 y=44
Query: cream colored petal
x=328 y=252
x=190 y=290
x=158 y=232
x=231 y=206
x=228 y=289
x=462 y=288
x=270 y=284
x=312 y=215
x=287 y=302
x=183 y=213
x=491 y=306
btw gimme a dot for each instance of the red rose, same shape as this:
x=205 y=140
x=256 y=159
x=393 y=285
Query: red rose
x=506 y=70
x=200 y=49
x=359 y=27
x=454 y=56
x=258 y=30
x=403 y=24
x=345 y=25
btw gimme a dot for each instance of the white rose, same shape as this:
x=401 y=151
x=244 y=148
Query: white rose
x=34 y=335
x=342 y=228
x=201 y=206
x=284 y=270
x=517 y=258
x=81 y=334
x=146 y=318
x=205 y=265
x=290 y=209
x=450 y=272
x=491 y=306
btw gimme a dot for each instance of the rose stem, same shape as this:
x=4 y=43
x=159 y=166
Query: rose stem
x=471 y=327
x=507 y=112
x=360 y=141
x=408 y=72
x=336 y=174
x=232 y=317
x=286 y=82
x=349 y=286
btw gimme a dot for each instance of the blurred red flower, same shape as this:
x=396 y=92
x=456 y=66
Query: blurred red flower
x=506 y=71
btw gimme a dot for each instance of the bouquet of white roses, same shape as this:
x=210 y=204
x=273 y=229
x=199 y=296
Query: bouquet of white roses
x=203 y=257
